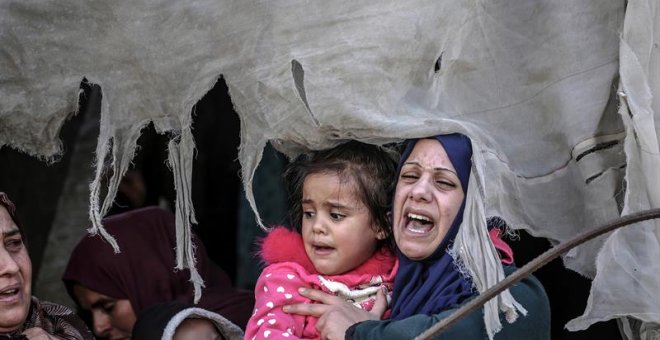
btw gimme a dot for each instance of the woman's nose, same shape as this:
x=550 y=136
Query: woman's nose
x=422 y=189
x=101 y=323
x=8 y=265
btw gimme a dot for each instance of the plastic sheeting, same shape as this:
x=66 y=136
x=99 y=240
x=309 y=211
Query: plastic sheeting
x=558 y=95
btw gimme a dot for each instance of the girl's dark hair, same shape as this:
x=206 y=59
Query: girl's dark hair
x=371 y=168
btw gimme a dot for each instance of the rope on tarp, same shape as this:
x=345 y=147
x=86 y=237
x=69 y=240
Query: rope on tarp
x=532 y=266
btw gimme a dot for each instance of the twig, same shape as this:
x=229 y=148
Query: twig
x=532 y=266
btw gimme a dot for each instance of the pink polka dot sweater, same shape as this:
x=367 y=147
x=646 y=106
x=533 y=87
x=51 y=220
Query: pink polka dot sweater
x=289 y=268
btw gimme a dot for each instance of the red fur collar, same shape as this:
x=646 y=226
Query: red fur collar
x=284 y=245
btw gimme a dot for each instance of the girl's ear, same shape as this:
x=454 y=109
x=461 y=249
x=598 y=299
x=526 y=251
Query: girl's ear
x=381 y=234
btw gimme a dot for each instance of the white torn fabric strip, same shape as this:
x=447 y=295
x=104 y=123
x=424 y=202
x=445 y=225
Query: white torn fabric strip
x=181 y=151
x=475 y=253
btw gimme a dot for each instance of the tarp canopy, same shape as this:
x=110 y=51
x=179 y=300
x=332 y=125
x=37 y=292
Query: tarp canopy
x=558 y=95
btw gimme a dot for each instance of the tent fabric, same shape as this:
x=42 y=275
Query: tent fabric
x=626 y=260
x=558 y=96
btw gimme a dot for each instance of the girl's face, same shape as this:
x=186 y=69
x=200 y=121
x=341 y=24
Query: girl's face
x=337 y=227
x=15 y=275
x=112 y=318
x=427 y=198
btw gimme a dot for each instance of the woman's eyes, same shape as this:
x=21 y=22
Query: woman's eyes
x=409 y=176
x=445 y=183
x=108 y=307
x=442 y=182
x=308 y=214
x=15 y=244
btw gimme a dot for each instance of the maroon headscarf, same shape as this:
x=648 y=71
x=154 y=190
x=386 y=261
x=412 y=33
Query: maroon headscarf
x=144 y=271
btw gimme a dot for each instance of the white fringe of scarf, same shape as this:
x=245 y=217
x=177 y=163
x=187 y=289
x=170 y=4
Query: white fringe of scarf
x=475 y=254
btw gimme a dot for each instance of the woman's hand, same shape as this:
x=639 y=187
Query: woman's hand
x=335 y=314
x=37 y=333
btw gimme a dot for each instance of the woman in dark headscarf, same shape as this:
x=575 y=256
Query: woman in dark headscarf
x=117 y=287
x=446 y=257
x=430 y=282
x=23 y=316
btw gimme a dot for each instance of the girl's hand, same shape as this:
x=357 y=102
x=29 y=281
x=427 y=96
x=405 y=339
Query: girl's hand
x=335 y=314
x=37 y=333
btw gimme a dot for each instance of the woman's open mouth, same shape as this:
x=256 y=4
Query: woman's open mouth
x=10 y=294
x=418 y=224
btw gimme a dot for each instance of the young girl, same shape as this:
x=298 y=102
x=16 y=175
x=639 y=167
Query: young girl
x=339 y=203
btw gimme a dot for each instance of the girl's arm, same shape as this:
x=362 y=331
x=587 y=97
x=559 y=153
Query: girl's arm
x=277 y=286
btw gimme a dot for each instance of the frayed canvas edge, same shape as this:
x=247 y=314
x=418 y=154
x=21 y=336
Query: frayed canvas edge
x=181 y=153
x=463 y=252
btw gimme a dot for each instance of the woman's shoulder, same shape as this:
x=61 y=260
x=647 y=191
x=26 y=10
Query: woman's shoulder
x=529 y=288
x=57 y=320
x=50 y=308
x=535 y=323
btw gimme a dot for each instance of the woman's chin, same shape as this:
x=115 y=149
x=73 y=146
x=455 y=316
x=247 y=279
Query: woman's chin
x=418 y=244
x=414 y=251
x=12 y=319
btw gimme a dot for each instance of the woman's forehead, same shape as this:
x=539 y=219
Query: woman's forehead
x=7 y=224
x=429 y=153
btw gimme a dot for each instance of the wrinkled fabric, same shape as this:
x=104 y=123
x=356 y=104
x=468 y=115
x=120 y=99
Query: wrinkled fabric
x=626 y=260
x=535 y=84
x=55 y=320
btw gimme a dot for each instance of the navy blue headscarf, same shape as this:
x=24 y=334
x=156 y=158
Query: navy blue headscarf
x=434 y=284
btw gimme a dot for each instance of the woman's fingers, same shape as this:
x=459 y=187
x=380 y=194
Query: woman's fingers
x=37 y=333
x=334 y=313
x=325 y=302
x=320 y=296
x=334 y=324
x=313 y=309
x=337 y=319
x=380 y=305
